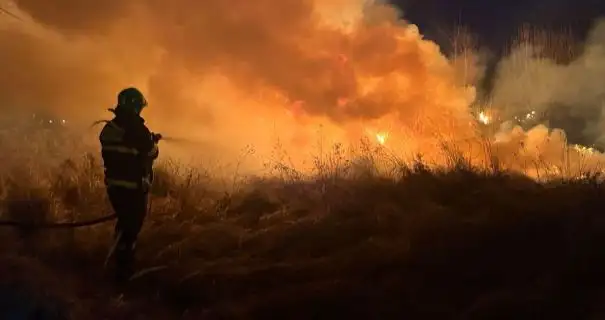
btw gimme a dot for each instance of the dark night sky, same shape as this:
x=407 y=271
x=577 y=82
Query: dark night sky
x=496 y=21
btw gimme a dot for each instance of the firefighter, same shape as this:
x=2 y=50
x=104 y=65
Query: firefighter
x=128 y=150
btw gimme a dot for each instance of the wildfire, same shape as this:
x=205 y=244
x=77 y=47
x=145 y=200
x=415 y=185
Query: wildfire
x=527 y=117
x=584 y=149
x=382 y=137
x=484 y=118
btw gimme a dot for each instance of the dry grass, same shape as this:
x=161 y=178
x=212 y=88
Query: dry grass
x=416 y=244
x=352 y=241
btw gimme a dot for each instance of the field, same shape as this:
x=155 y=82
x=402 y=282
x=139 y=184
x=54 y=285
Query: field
x=461 y=243
x=349 y=240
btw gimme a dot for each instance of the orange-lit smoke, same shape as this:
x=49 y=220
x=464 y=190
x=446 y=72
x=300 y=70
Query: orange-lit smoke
x=239 y=72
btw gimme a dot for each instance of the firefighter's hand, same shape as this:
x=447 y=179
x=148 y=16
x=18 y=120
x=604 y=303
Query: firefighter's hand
x=156 y=137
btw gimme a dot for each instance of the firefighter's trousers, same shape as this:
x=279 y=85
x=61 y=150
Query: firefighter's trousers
x=130 y=206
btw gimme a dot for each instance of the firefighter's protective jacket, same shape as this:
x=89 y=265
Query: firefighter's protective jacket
x=128 y=149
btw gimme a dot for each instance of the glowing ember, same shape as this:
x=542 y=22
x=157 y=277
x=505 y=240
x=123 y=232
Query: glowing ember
x=584 y=149
x=382 y=137
x=484 y=118
x=527 y=117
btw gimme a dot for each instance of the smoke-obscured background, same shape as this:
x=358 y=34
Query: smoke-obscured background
x=530 y=55
x=236 y=73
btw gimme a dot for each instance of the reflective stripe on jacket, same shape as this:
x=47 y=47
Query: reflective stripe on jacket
x=128 y=153
x=122 y=183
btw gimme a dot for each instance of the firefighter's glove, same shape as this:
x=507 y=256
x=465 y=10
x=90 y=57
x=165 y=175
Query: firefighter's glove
x=146 y=184
x=156 y=137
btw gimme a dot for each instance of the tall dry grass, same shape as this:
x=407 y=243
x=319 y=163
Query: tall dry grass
x=363 y=235
x=351 y=238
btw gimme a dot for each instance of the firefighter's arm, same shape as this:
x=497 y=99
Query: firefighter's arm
x=111 y=136
x=156 y=137
x=145 y=143
x=155 y=151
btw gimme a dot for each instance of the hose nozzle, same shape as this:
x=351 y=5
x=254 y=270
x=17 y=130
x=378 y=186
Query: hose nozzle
x=156 y=137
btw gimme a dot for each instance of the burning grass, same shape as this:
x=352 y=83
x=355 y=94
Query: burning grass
x=362 y=232
x=416 y=243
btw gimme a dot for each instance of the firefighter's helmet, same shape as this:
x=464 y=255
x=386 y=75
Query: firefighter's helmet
x=132 y=98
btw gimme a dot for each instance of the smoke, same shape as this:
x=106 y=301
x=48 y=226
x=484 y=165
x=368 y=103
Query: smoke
x=237 y=73
x=546 y=97
x=232 y=72
x=567 y=96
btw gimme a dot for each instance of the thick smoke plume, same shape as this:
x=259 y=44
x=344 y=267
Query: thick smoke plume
x=566 y=95
x=240 y=72
x=546 y=94
x=233 y=72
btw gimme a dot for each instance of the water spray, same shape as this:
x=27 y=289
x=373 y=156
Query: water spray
x=178 y=140
x=8 y=13
x=161 y=137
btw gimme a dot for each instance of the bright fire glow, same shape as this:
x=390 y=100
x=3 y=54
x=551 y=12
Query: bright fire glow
x=382 y=137
x=584 y=149
x=293 y=73
x=484 y=118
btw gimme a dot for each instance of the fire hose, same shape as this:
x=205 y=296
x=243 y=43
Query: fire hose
x=85 y=223
x=64 y=225
x=74 y=224
x=58 y=225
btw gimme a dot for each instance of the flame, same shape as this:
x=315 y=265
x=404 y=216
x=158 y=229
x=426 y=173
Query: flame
x=484 y=118
x=379 y=136
x=527 y=117
x=326 y=69
x=584 y=149
x=382 y=137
